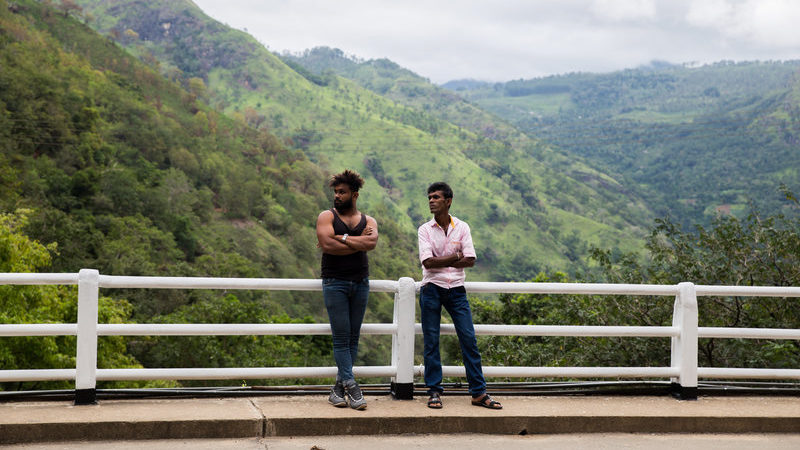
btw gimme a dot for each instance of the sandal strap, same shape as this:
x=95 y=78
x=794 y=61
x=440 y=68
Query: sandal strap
x=485 y=400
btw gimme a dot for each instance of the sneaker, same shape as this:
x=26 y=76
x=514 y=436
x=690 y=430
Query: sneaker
x=357 y=400
x=337 y=395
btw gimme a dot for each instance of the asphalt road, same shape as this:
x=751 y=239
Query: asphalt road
x=600 y=441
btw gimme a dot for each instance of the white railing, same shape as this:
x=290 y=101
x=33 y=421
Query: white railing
x=684 y=332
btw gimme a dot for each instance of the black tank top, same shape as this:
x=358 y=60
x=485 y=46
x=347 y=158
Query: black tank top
x=352 y=267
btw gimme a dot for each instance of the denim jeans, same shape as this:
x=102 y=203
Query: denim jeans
x=454 y=300
x=346 y=302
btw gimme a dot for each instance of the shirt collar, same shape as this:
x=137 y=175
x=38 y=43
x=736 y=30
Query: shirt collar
x=434 y=223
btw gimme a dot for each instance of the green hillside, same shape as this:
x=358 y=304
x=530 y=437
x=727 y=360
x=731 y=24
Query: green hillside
x=117 y=168
x=519 y=159
x=693 y=141
x=175 y=146
x=520 y=197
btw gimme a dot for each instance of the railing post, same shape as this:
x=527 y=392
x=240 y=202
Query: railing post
x=684 y=347
x=403 y=339
x=86 y=360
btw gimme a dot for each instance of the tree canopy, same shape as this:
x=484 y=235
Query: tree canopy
x=757 y=250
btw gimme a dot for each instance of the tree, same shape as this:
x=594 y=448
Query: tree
x=753 y=251
x=233 y=351
x=69 y=6
x=48 y=304
x=197 y=87
x=130 y=35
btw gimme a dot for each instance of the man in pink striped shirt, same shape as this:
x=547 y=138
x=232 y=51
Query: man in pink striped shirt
x=445 y=249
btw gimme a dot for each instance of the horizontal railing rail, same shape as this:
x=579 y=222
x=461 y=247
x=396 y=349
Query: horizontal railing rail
x=684 y=332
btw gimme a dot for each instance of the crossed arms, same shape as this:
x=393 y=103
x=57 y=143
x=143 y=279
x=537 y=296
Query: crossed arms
x=454 y=260
x=332 y=244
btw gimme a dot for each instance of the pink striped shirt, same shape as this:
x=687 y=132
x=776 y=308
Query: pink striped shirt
x=434 y=242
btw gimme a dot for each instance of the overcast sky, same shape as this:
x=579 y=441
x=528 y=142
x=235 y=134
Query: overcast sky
x=500 y=40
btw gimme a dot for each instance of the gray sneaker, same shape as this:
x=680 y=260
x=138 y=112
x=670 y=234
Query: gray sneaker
x=357 y=400
x=337 y=395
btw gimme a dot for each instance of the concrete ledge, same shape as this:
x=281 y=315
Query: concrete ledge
x=528 y=425
x=542 y=415
x=129 y=419
x=256 y=417
x=128 y=430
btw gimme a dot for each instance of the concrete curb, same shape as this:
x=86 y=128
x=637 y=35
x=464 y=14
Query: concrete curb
x=529 y=425
x=258 y=417
x=130 y=420
x=15 y=434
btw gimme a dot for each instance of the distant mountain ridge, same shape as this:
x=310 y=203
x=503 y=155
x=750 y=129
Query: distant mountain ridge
x=465 y=84
x=520 y=155
x=530 y=208
x=693 y=141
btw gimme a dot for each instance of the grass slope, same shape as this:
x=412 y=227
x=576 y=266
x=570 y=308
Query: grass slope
x=400 y=148
x=692 y=141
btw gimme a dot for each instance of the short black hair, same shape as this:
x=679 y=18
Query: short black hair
x=441 y=186
x=348 y=177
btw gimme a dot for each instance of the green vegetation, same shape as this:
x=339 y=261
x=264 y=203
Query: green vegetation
x=693 y=142
x=49 y=304
x=128 y=172
x=173 y=145
x=753 y=251
x=508 y=186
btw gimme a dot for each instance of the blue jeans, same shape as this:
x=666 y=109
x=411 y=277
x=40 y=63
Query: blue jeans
x=346 y=302
x=431 y=300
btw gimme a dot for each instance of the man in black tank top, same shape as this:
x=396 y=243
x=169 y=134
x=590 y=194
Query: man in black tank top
x=345 y=235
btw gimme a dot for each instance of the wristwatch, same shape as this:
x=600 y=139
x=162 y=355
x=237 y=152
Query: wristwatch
x=344 y=237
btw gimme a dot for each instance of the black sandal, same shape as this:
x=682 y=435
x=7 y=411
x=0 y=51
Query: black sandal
x=435 y=401
x=486 y=401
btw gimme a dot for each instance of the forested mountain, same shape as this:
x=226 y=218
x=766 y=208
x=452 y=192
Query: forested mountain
x=192 y=151
x=106 y=164
x=693 y=141
x=530 y=208
x=519 y=160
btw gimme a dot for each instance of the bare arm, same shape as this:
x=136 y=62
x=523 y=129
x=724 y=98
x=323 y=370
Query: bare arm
x=465 y=261
x=368 y=239
x=326 y=237
x=455 y=260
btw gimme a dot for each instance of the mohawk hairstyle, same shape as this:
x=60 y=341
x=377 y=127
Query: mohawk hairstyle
x=348 y=177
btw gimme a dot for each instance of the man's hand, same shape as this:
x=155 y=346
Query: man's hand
x=326 y=238
x=368 y=238
x=452 y=260
x=463 y=261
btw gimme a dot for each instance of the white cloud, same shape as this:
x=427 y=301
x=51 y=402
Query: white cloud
x=624 y=10
x=769 y=23
x=508 y=39
x=775 y=22
x=711 y=14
